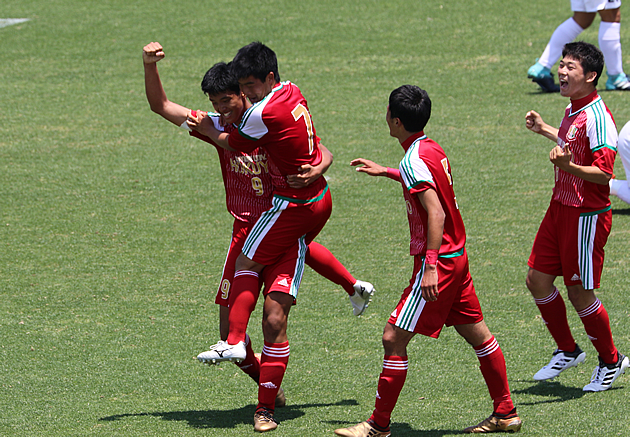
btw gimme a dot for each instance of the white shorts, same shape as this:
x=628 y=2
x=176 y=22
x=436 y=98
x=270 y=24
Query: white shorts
x=594 y=5
x=623 y=148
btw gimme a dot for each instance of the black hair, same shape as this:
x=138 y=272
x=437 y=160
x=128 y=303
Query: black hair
x=589 y=56
x=255 y=59
x=219 y=79
x=412 y=105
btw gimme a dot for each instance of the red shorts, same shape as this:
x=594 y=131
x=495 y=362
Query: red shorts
x=239 y=235
x=285 y=276
x=279 y=229
x=570 y=243
x=457 y=302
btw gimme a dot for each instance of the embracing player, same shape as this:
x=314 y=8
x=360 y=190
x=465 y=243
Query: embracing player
x=247 y=185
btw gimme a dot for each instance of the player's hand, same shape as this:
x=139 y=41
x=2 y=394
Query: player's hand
x=307 y=174
x=152 y=53
x=369 y=167
x=534 y=122
x=429 y=284
x=561 y=157
x=195 y=118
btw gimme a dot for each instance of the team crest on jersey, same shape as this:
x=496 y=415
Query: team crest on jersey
x=572 y=132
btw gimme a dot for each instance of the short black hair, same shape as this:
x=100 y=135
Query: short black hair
x=219 y=79
x=412 y=105
x=255 y=59
x=589 y=56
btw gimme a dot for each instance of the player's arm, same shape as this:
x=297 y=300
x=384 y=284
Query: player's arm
x=202 y=123
x=310 y=173
x=535 y=123
x=152 y=53
x=374 y=169
x=435 y=230
x=561 y=158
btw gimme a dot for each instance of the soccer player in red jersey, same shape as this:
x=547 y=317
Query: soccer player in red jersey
x=247 y=185
x=440 y=291
x=571 y=238
x=279 y=121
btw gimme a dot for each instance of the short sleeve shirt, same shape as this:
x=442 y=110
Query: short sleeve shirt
x=426 y=166
x=588 y=129
x=282 y=124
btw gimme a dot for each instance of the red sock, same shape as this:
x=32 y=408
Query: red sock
x=250 y=365
x=390 y=384
x=492 y=365
x=324 y=263
x=244 y=294
x=554 y=314
x=597 y=325
x=273 y=364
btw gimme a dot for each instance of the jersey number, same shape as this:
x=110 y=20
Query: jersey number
x=225 y=289
x=301 y=111
x=447 y=171
x=257 y=185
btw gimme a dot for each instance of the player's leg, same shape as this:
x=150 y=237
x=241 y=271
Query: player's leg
x=610 y=44
x=593 y=231
x=492 y=365
x=544 y=266
x=320 y=259
x=250 y=364
x=566 y=32
x=274 y=359
x=621 y=188
x=390 y=384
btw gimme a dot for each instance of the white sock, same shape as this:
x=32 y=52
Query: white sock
x=610 y=45
x=564 y=34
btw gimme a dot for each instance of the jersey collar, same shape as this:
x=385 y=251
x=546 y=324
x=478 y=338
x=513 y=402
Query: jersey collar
x=412 y=139
x=581 y=104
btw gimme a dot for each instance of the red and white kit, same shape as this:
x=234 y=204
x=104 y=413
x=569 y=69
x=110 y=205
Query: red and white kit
x=571 y=238
x=282 y=125
x=425 y=166
x=248 y=191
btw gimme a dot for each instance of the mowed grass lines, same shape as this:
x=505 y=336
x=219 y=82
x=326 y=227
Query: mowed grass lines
x=114 y=230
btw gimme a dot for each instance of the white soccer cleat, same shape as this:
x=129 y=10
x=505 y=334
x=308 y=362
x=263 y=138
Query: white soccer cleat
x=363 y=292
x=560 y=361
x=605 y=374
x=222 y=351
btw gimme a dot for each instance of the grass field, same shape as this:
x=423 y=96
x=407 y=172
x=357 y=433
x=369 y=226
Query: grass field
x=113 y=224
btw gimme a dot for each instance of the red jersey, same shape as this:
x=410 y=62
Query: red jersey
x=588 y=129
x=246 y=178
x=425 y=166
x=282 y=124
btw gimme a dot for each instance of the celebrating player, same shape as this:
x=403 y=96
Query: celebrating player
x=440 y=291
x=571 y=238
x=280 y=122
x=247 y=185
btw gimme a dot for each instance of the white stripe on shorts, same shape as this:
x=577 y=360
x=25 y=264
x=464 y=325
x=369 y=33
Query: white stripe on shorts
x=413 y=306
x=262 y=226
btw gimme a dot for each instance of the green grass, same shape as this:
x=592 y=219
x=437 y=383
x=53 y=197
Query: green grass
x=113 y=225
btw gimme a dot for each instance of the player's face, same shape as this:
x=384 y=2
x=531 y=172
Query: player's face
x=573 y=82
x=256 y=89
x=230 y=105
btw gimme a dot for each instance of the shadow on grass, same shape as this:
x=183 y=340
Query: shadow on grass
x=402 y=429
x=552 y=391
x=227 y=418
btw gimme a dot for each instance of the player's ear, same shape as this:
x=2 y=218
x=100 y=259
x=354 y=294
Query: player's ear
x=271 y=78
x=590 y=76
